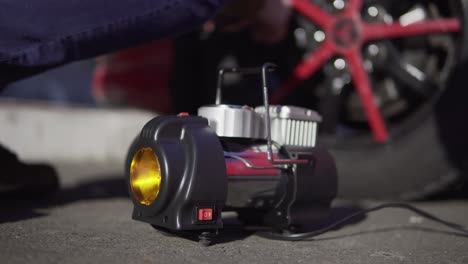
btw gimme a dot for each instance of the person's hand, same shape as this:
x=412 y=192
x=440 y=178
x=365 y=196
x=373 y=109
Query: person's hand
x=266 y=20
x=271 y=25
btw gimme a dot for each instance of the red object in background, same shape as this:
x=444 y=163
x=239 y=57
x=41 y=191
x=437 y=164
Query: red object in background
x=136 y=77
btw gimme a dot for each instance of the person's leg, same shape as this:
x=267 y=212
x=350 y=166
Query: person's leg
x=36 y=35
x=39 y=34
x=25 y=181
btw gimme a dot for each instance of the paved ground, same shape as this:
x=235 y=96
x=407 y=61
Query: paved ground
x=89 y=222
x=89 y=219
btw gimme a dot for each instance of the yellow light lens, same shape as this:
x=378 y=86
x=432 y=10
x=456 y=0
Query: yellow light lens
x=145 y=176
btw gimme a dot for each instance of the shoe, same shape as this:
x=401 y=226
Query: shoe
x=25 y=181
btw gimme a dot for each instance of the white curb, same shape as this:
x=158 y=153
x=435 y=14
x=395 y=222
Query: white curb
x=43 y=132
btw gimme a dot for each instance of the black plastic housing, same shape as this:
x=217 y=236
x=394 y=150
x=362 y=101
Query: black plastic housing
x=193 y=173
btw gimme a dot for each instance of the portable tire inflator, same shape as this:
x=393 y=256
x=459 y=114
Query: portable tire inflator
x=183 y=171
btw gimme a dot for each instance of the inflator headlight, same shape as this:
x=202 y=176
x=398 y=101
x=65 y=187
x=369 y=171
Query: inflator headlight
x=145 y=176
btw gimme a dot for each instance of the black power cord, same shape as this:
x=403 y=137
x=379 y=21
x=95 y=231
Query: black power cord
x=308 y=235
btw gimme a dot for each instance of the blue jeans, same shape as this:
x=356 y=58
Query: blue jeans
x=36 y=35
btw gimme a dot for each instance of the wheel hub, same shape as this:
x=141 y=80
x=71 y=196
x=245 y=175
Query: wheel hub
x=345 y=33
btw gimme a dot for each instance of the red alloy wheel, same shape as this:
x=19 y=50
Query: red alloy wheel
x=374 y=70
x=345 y=34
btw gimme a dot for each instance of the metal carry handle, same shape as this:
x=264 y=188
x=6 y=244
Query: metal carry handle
x=267 y=67
x=244 y=71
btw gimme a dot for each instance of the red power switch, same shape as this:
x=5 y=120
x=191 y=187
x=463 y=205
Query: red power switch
x=205 y=214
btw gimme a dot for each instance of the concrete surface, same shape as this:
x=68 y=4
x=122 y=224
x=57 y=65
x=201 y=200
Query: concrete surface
x=89 y=222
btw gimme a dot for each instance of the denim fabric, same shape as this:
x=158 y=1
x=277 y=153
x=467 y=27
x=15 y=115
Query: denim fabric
x=36 y=35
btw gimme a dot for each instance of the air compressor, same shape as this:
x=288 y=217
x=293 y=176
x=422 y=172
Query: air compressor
x=263 y=163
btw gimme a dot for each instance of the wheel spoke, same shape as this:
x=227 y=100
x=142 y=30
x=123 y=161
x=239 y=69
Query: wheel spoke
x=304 y=70
x=354 y=5
x=314 y=61
x=363 y=87
x=313 y=12
x=374 y=31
